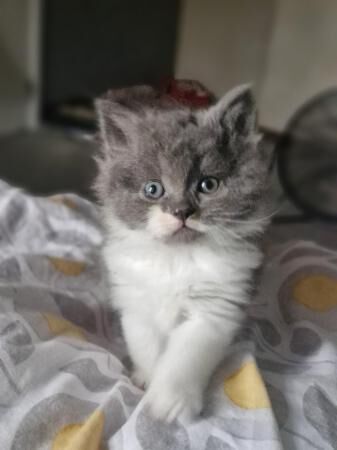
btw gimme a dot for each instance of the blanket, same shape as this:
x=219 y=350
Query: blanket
x=64 y=371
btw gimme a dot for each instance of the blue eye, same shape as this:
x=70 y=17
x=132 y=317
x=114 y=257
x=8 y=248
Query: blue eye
x=153 y=190
x=208 y=185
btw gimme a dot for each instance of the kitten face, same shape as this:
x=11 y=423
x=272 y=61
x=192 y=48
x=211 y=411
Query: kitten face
x=175 y=173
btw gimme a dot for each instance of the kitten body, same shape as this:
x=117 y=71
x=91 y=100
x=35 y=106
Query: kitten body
x=181 y=281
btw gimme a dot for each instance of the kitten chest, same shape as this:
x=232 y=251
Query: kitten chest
x=157 y=288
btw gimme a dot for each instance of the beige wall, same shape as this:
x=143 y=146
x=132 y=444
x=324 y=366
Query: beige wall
x=224 y=42
x=302 y=59
x=18 y=63
x=288 y=48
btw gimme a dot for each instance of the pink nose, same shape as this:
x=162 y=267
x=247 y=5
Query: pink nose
x=183 y=214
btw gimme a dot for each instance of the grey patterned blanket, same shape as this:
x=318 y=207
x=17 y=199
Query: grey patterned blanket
x=64 y=379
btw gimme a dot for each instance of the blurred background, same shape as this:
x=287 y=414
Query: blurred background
x=57 y=55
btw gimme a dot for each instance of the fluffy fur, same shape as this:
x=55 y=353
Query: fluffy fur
x=181 y=286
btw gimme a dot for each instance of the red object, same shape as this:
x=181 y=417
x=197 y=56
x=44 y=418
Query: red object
x=188 y=92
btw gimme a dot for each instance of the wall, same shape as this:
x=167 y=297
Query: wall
x=288 y=48
x=19 y=63
x=224 y=42
x=302 y=58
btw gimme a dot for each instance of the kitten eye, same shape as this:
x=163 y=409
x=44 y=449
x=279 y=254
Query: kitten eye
x=153 y=190
x=208 y=185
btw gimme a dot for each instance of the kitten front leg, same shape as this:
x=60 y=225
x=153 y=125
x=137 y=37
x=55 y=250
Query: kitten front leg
x=144 y=345
x=194 y=350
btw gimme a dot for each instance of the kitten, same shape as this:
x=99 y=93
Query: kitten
x=183 y=202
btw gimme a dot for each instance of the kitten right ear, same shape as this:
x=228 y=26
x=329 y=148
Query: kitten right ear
x=112 y=123
x=118 y=112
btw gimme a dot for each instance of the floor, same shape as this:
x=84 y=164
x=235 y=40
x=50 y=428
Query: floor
x=48 y=161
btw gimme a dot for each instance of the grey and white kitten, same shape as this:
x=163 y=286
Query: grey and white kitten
x=183 y=200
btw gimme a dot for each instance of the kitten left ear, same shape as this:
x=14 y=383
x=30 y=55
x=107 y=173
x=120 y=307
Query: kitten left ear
x=235 y=112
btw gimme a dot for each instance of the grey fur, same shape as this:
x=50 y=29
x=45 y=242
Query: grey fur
x=143 y=137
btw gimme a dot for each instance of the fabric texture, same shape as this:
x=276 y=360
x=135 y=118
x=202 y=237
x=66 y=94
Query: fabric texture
x=64 y=378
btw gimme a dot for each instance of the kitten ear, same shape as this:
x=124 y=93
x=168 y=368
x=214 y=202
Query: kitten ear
x=235 y=112
x=118 y=112
x=112 y=124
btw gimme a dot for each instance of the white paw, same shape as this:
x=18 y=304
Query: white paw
x=167 y=401
x=138 y=379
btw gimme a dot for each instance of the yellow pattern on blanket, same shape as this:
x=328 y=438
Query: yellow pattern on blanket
x=62 y=327
x=68 y=267
x=81 y=436
x=246 y=388
x=316 y=292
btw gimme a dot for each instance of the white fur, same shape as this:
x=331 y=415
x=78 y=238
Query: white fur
x=162 y=224
x=179 y=306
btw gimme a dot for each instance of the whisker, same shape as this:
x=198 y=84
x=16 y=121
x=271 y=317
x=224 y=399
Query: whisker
x=258 y=220
x=235 y=213
x=220 y=236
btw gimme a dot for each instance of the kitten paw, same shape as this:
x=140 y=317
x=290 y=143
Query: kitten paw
x=168 y=403
x=138 y=379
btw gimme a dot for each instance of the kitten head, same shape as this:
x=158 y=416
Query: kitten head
x=177 y=173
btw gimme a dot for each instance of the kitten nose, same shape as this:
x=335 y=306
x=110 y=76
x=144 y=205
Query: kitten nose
x=183 y=214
